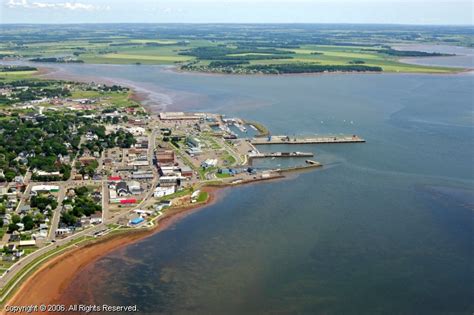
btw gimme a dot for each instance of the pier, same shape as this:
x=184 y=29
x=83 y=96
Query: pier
x=307 y=140
x=280 y=155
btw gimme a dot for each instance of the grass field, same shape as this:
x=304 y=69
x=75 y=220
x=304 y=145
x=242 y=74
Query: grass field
x=16 y=75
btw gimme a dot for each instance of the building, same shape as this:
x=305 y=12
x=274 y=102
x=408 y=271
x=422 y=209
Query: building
x=193 y=151
x=209 y=163
x=165 y=156
x=141 y=175
x=179 y=116
x=169 y=171
x=122 y=189
x=134 y=187
x=137 y=131
x=186 y=171
x=166 y=181
x=128 y=201
x=164 y=191
x=193 y=142
x=45 y=188
x=47 y=174
x=136 y=221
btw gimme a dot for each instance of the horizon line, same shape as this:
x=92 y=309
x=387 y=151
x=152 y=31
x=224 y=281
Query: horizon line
x=241 y=23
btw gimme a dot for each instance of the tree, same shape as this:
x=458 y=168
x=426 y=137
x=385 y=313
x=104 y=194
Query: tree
x=28 y=222
x=68 y=219
x=16 y=219
x=12 y=227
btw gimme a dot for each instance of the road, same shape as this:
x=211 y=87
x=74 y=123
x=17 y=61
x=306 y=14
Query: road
x=57 y=212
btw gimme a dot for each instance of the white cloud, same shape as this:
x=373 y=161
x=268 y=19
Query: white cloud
x=50 y=5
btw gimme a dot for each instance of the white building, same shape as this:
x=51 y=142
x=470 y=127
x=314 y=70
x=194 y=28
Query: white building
x=164 y=191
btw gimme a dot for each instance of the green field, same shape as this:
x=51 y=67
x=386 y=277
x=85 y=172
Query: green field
x=16 y=75
x=229 y=49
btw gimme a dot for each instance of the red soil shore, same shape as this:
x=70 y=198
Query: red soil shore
x=45 y=285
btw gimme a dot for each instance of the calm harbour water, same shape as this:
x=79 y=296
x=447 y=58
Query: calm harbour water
x=385 y=227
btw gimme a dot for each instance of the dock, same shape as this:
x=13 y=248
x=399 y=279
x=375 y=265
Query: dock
x=306 y=140
x=280 y=155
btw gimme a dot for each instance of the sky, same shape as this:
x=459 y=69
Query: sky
x=440 y=12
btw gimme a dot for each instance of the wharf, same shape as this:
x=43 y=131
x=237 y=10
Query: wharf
x=307 y=140
x=281 y=155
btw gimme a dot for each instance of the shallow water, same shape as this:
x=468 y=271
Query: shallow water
x=464 y=57
x=384 y=227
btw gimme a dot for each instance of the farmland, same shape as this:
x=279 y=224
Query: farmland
x=231 y=49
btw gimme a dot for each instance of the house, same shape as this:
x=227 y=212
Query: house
x=91 y=136
x=19 y=179
x=96 y=196
x=14 y=237
x=24 y=209
x=3 y=189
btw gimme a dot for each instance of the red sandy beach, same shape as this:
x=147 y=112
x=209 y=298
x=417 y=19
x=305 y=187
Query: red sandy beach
x=47 y=283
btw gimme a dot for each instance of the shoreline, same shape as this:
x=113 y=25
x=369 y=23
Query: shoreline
x=456 y=71
x=51 y=73
x=46 y=284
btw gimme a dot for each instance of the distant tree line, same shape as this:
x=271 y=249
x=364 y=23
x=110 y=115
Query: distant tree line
x=16 y=68
x=409 y=53
x=56 y=60
x=311 y=68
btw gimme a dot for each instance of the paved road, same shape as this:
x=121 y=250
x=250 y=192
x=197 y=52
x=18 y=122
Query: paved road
x=57 y=212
